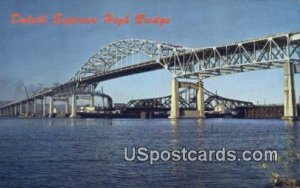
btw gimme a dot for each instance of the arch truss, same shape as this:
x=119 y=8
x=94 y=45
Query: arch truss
x=106 y=58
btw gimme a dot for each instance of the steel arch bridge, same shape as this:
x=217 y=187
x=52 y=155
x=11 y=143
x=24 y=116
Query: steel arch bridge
x=192 y=63
x=273 y=51
x=102 y=63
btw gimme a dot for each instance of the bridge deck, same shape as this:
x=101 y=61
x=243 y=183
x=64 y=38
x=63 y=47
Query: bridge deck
x=262 y=53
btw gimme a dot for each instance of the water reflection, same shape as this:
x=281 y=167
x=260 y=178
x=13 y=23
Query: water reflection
x=68 y=148
x=291 y=151
x=286 y=172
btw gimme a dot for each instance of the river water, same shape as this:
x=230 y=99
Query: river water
x=90 y=152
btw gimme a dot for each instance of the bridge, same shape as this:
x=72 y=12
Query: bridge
x=187 y=103
x=186 y=65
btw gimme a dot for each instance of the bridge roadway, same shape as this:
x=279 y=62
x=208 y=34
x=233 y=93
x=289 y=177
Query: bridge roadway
x=274 y=51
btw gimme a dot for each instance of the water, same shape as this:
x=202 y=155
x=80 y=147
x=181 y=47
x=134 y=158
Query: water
x=90 y=152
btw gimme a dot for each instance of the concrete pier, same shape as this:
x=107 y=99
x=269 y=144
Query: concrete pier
x=51 y=107
x=44 y=106
x=34 y=107
x=200 y=100
x=21 y=108
x=67 y=104
x=92 y=100
x=73 y=106
x=11 y=111
x=290 y=110
x=174 y=114
x=16 y=110
x=27 y=109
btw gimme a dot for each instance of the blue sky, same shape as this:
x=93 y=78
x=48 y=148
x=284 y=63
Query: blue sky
x=54 y=53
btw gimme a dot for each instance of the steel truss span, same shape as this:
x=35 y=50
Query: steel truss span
x=263 y=53
x=187 y=100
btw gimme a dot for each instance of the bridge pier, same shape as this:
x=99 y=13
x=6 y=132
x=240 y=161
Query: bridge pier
x=21 y=109
x=34 y=107
x=9 y=111
x=146 y=115
x=290 y=110
x=27 y=109
x=174 y=114
x=51 y=107
x=67 y=104
x=16 y=110
x=200 y=100
x=73 y=106
x=44 y=106
x=92 y=100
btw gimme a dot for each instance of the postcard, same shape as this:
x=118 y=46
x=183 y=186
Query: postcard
x=147 y=93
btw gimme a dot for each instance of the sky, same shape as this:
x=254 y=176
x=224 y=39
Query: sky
x=47 y=53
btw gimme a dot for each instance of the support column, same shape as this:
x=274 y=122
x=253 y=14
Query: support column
x=92 y=100
x=174 y=114
x=67 y=106
x=27 y=109
x=51 y=107
x=73 y=106
x=16 y=110
x=200 y=100
x=21 y=109
x=11 y=111
x=44 y=106
x=34 y=107
x=290 y=110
